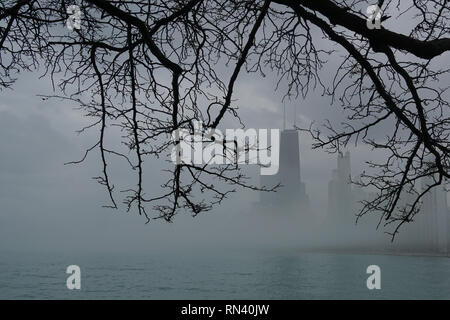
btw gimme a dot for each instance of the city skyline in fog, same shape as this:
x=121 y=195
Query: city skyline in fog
x=59 y=202
x=53 y=194
x=49 y=206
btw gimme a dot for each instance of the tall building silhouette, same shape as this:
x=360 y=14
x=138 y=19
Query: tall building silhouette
x=292 y=193
x=340 y=197
x=429 y=232
x=433 y=216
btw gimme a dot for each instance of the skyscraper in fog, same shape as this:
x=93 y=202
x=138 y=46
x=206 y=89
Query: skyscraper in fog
x=429 y=230
x=340 y=198
x=292 y=193
x=433 y=217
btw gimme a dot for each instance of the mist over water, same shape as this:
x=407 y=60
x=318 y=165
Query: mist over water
x=51 y=217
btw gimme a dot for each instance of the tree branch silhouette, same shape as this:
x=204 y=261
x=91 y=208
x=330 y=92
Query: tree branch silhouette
x=148 y=68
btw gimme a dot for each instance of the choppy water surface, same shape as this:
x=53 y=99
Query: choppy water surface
x=256 y=275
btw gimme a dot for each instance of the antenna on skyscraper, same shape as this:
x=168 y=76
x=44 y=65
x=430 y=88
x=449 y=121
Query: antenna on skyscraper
x=284 y=116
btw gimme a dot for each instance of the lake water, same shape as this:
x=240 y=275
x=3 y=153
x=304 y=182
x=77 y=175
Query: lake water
x=273 y=274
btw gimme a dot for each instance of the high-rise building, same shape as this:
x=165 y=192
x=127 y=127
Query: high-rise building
x=340 y=198
x=429 y=232
x=433 y=217
x=292 y=193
